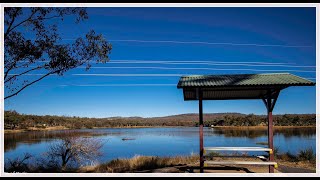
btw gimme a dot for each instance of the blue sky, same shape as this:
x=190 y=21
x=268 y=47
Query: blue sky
x=153 y=47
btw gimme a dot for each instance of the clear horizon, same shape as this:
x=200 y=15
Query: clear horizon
x=153 y=47
x=160 y=116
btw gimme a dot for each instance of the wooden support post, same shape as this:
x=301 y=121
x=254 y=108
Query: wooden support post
x=201 y=131
x=270 y=140
x=270 y=102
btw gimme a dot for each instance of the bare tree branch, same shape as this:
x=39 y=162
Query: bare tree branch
x=12 y=21
x=38 y=67
x=8 y=70
x=25 y=86
x=28 y=19
x=73 y=147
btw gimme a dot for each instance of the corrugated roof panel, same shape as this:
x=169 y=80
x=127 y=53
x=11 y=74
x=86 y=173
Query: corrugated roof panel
x=243 y=80
x=238 y=86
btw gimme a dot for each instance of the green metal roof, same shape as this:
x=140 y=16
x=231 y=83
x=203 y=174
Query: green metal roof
x=285 y=79
x=238 y=86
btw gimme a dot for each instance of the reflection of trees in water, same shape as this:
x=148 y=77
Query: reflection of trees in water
x=300 y=132
x=11 y=140
x=240 y=132
x=254 y=133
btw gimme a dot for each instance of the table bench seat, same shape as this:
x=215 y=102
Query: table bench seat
x=238 y=149
x=241 y=163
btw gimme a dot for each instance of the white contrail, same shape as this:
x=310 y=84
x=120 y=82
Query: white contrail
x=118 y=85
x=168 y=68
x=31 y=74
x=180 y=62
x=202 y=42
x=208 y=43
x=211 y=64
x=213 y=69
x=132 y=75
x=196 y=61
x=98 y=85
x=145 y=75
x=200 y=61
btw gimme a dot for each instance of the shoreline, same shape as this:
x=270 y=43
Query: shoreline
x=7 y=131
x=65 y=128
x=177 y=164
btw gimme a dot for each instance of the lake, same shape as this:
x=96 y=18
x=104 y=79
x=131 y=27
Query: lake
x=161 y=141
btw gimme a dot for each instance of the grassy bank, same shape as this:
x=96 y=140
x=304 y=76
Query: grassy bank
x=36 y=129
x=140 y=163
x=305 y=159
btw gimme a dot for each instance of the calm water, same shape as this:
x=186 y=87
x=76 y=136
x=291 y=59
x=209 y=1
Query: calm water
x=162 y=141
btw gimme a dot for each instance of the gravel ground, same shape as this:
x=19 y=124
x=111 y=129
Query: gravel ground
x=287 y=169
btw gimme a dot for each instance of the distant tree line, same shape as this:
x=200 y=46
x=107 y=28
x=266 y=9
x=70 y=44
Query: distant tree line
x=15 y=120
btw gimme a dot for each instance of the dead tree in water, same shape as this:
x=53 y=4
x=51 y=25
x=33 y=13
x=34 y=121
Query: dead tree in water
x=73 y=147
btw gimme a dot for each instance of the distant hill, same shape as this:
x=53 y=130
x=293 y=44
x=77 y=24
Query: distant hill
x=14 y=120
x=195 y=116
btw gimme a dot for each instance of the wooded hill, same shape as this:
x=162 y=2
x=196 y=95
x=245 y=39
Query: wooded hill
x=14 y=120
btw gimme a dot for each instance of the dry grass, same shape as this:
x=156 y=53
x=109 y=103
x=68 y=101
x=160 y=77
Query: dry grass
x=35 y=129
x=306 y=157
x=138 y=163
x=154 y=163
x=14 y=131
x=146 y=163
x=300 y=164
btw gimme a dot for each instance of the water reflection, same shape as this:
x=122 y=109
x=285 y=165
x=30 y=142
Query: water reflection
x=12 y=140
x=305 y=132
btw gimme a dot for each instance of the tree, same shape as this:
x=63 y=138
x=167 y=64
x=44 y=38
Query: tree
x=75 y=148
x=44 y=53
x=17 y=164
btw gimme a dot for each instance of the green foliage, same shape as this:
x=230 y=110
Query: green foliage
x=303 y=155
x=32 y=44
x=14 y=120
x=18 y=165
x=213 y=154
x=307 y=155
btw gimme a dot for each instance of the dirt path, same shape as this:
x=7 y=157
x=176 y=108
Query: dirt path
x=287 y=169
x=228 y=169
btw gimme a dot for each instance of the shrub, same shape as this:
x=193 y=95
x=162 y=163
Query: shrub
x=307 y=155
x=17 y=164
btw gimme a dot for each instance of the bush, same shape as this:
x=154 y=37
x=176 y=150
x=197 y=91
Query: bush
x=307 y=155
x=213 y=154
x=18 y=165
